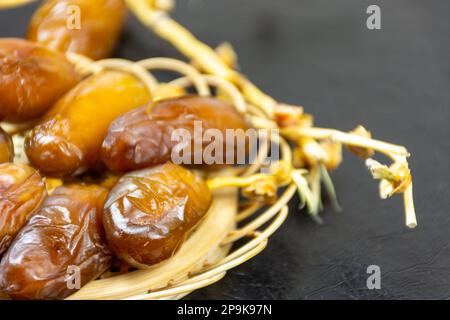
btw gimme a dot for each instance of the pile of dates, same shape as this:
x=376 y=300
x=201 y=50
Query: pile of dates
x=99 y=126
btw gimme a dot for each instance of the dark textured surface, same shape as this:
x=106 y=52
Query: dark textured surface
x=395 y=81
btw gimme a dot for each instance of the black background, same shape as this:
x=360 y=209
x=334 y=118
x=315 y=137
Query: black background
x=395 y=81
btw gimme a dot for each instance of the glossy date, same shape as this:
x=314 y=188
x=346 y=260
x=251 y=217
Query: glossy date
x=90 y=28
x=144 y=136
x=22 y=190
x=32 y=78
x=149 y=213
x=65 y=234
x=68 y=139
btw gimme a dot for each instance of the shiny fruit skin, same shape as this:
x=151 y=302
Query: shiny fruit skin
x=149 y=213
x=32 y=78
x=22 y=191
x=68 y=139
x=65 y=232
x=6 y=147
x=100 y=24
x=143 y=137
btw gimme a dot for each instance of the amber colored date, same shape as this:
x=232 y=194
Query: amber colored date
x=143 y=137
x=90 y=28
x=149 y=213
x=6 y=147
x=68 y=139
x=22 y=190
x=32 y=78
x=65 y=238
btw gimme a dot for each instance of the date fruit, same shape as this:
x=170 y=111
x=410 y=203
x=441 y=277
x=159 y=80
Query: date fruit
x=32 y=78
x=143 y=137
x=65 y=238
x=90 y=28
x=6 y=147
x=22 y=191
x=68 y=139
x=149 y=213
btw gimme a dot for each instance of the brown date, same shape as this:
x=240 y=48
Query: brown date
x=69 y=138
x=149 y=213
x=22 y=190
x=143 y=137
x=6 y=147
x=32 y=78
x=63 y=237
x=94 y=27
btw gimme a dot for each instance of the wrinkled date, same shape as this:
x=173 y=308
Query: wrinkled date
x=6 y=147
x=144 y=137
x=32 y=78
x=149 y=213
x=69 y=138
x=90 y=28
x=22 y=190
x=65 y=234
